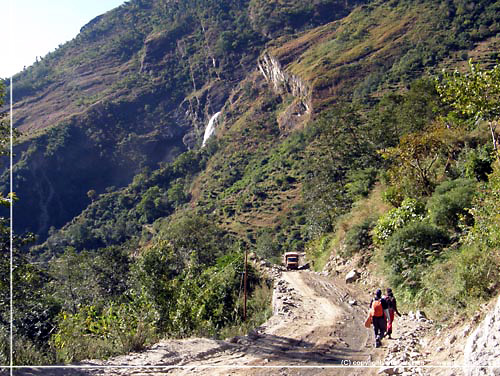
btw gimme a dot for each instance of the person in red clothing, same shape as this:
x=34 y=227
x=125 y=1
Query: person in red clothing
x=393 y=309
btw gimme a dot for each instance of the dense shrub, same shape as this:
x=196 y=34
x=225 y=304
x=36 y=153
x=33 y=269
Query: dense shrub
x=393 y=195
x=470 y=275
x=411 y=247
x=475 y=272
x=450 y=201
x=318 y=251
x=478 y=162
x=25 y=351
x=460 y=282
x=359 y=237
x=259 y=309
x=117 y=329
x=360 y=182
x=409 y=211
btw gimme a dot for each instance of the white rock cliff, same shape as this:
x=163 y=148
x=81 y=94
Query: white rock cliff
x=482 y=351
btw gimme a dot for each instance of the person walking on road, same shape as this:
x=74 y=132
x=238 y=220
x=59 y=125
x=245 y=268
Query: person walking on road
x=377 y=307
x=392 y=308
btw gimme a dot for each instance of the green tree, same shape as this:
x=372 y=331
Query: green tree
x=398 y=114
x=176 y=194
x=179 y=252
x=89 y=278
x=266 y=246
x=194 y=235
x=410 y=248
x=153 y=203
x=475 y=94
x=74 y=283
x=415 y=161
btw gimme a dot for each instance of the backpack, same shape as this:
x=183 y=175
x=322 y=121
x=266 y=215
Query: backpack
x=377 y=310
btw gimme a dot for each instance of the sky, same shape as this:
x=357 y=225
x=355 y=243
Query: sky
x=34 y=28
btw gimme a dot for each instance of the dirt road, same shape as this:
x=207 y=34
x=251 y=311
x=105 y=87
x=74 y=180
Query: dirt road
x=316 y=329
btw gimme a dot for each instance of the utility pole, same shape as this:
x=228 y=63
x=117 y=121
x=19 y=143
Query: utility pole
x=245 y=289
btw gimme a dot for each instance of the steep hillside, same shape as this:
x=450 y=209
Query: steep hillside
x=261 y=103
x=136 y=87
x=358 y=58
x=373 y=50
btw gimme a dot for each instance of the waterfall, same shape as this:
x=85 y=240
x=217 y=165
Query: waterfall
x=210 y=129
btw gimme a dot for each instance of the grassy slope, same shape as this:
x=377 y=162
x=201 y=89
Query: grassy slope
x=76 y=75
x=376 y=48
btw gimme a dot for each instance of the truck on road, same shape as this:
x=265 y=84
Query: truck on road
x=291 y=260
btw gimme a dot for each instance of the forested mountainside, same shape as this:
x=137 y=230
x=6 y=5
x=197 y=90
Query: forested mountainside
x=335 y=130
x=134 y=88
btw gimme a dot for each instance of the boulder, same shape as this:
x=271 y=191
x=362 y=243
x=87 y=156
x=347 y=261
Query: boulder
x=265 y=263
x=452 y=339
x=352 y=276
x=388 y=371
x=420 y=315
x=253 y=335
x=466 y=330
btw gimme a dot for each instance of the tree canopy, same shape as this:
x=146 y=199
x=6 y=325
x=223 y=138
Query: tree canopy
x=474 y=94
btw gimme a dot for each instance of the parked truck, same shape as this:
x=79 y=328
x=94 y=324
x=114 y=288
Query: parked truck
x=291 y=260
